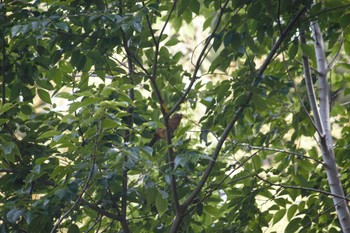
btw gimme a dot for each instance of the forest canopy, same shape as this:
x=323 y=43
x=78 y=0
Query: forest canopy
x=174 y=116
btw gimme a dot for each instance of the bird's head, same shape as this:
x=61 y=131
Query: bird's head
x=178 y=116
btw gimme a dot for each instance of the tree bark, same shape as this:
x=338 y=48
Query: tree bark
x=326 y=139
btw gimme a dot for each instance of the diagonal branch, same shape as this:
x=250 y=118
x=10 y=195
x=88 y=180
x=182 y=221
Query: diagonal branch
x=310 y=88
x=235 y=117
x=200 y=59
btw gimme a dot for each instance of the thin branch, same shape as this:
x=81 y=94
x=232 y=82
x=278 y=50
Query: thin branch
x=326 y=10
x=297 y=92
x=97 y=221
x=301 y=188
x=310 y=89
x=167 y=21
x=326 y=141
x=7 y=170
x=91 y=172
x=100 y=210
x=323 y=212
x=332 y=62
x=3 y=89
x=280 y=151
x=200 y=59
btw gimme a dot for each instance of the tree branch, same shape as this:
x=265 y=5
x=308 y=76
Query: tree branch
x=326 y=141
x=164 y=111
x=3 y=70
x=235 y=117
x=100 y=211
x=200 y=59
x=84 y=188
x=310 y=88
x=301 y=188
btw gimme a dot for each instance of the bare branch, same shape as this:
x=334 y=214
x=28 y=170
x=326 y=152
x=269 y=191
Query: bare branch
x=310 y=89
x=301 y=188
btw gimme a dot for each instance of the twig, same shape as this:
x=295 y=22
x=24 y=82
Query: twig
x=3 y=90
x=323 y=212
x=297 y=92
x=100 y=210
x=86 y=184
x=279 y=150
x=200 y=59
x=301 y=188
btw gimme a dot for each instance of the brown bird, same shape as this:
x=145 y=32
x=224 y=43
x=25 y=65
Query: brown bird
x=174 y=123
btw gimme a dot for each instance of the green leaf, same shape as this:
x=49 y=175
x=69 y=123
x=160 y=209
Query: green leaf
x=257 y=162
x=240 y=100
x=281 y=202
x=293 y=50
x=15 y=30
x=78 y=60
x=228 y=38
x=4 y=108
x=26 y=109
x=61 y=26
x=308 y=51
x=278 y=215
x=194 y=6
x=3 y=121
x=293 y=225
x=55 y=75
x=49 y=134
x=73 y=229
x=15 y=91
x=347 y=47
x=291 y=211
x=211 y=210
x=14 y=214
x=173 y=41
x=110 y=124
x=161 y=204
x=7 y=147
x=44 y=95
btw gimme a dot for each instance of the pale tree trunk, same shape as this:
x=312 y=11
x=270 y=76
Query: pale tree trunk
x=324 y=128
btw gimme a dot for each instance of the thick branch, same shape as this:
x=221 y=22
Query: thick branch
x=326 y=141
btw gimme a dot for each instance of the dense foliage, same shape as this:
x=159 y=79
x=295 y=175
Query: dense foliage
x=85 y=84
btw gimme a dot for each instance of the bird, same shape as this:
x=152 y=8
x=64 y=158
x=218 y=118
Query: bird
x=160 y=133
